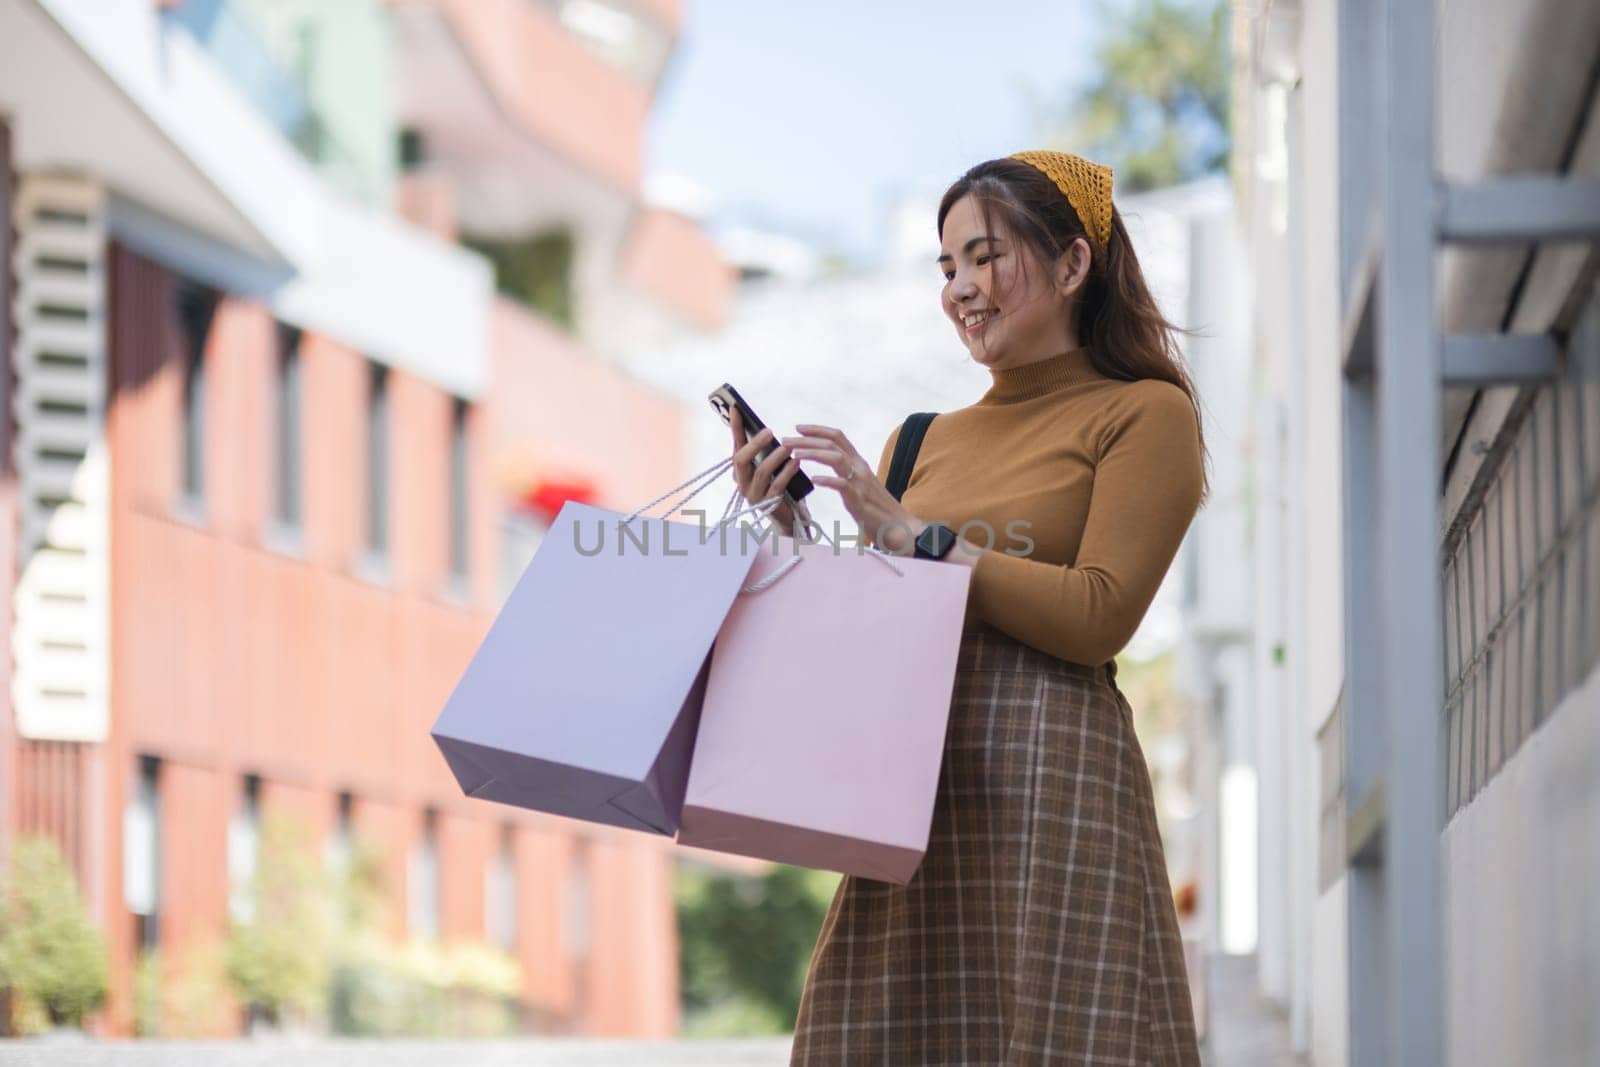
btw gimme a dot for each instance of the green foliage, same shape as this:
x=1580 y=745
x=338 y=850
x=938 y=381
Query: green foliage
x=745 y=944
x=314 y=952
x=1158 y=111
x=424 y=990
x=360 y=892
x=536 y=270
x=279 y=960
x=147 y=985
x=417 y=989
x=50 y=953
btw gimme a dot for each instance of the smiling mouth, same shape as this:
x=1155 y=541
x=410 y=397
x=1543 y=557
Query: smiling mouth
x=973 y=321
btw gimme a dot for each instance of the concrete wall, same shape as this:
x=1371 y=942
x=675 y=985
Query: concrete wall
x=1522 y=636
x=1516 y=94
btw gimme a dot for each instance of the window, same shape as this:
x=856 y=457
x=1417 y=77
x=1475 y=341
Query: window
x=608 y=29
x=196 y=306
x=341 y=848
x=413 y=148
x=244 y=851
x=378 y=462
x=458 y=491
x=500 y=894
x=539 y=270
x=576 y=915
x=141 y=851
x=422 y=881
x=287 y=465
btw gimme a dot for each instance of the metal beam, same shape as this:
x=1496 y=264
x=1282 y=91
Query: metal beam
x=1363 y=833
x=1526 y=208
x=1411 y=669
x=1356 y=40
x=1364 y=729
x=1484 y=359
x=1356 y=330
x=1359 y=41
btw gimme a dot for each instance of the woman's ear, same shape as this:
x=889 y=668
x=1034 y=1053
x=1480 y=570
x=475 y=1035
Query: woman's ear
x=1072 y=267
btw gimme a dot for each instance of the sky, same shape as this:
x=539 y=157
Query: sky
x=812 y=118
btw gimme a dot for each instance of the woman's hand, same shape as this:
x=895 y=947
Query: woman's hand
x=758 y=483
x=884 y=521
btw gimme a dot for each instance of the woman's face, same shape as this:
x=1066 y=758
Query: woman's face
x=1007 y=307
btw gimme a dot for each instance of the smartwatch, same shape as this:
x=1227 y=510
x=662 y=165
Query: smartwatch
x=934 y=542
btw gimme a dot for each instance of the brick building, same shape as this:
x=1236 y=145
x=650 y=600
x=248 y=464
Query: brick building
x=274 y=435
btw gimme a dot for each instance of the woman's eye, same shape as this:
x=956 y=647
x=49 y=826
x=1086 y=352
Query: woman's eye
x=949 y=275
x=983 y=261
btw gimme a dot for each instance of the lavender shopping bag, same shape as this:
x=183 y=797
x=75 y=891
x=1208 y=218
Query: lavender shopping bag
x=584 y=697
x=823 y=725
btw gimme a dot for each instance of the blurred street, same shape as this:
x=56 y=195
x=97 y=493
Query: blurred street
x=532 y=1052
x=1245 y=1032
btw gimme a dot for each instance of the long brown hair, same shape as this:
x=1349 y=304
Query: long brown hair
x=1127 y=336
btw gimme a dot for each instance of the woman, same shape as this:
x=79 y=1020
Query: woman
x=1040 y=926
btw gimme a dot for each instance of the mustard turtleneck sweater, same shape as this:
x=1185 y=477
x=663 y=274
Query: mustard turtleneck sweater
x=1087 y=484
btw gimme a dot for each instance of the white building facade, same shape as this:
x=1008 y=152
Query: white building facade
x=1517 y=967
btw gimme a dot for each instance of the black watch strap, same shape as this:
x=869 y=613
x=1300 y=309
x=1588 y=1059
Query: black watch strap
x=935 y=541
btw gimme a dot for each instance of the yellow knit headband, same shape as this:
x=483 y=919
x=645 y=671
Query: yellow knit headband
x=1086 y=185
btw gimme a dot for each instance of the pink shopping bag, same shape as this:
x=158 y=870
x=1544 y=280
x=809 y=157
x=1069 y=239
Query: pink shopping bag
x=822 y=728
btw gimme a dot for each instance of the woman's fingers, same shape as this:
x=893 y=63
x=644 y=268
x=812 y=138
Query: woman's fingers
x=826 y=437
x=744 y=458
x=780 y=481
x=811 y=429
x=771 y=464
x=831 y=456
x=746 y=453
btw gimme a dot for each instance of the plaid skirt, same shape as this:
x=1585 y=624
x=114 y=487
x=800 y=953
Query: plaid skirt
x=1040 y=927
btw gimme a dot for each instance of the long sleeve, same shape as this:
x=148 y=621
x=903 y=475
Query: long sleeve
x=1148 y=482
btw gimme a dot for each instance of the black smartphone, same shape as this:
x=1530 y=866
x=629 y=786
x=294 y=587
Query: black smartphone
x=726 y=399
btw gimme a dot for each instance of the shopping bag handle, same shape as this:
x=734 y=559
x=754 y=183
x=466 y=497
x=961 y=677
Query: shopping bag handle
x=701 y=482
x=804 y=527
x=761 y=510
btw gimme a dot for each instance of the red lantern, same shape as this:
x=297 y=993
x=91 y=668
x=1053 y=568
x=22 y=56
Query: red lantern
x=548 y=496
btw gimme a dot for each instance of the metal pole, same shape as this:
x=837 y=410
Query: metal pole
x=1363 y=726
x=1358 y=42
x=1357 y=116
x=1408 y=371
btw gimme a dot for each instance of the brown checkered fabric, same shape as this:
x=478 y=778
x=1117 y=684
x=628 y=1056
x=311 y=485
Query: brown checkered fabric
x=1040 y=926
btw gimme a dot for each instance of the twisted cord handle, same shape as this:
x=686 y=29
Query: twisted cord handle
x=700 y=482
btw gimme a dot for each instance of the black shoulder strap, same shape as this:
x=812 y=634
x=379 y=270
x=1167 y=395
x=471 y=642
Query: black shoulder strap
x=906 y=448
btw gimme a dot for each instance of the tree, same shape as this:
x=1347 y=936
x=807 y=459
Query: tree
x=49 y=950
x=745 y=944
x=1158 y=110
x=278 y=960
